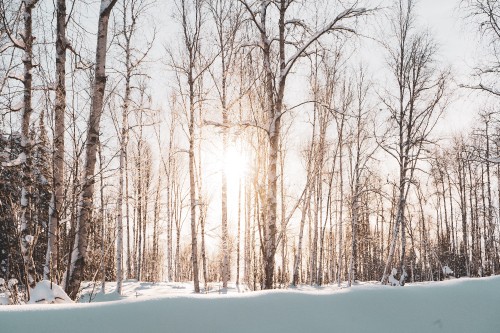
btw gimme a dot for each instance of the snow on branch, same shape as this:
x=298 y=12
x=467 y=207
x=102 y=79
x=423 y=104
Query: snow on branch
x=254 y=15
x=104 y=5
x=16 y=162
x=5 y=46
x=296 y=22
x=19 y=43
x=494 y=160
x=17 y=107
x=18 y=77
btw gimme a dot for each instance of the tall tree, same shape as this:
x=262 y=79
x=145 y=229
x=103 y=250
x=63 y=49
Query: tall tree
x=414 y=107
x=59 y=149
x=79 y=254
x=360 y=151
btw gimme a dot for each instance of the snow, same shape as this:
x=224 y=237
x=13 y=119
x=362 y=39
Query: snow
x=12 y=283
x=392 y=280
x=17 y=107
x=4 y=46
x=46 y=292
x=29 y=239
x=19 y=77
x=459 y=305
x=24 y=203
x=19 y=43
x=5 y=291
x=16 y=162
x=447 y=270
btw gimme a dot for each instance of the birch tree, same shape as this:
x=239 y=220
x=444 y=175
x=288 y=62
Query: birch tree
x=59 y=148
x=414 y=106
x=79 y=254
x=360 y=151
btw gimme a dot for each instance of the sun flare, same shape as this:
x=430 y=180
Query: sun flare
x=235 y=165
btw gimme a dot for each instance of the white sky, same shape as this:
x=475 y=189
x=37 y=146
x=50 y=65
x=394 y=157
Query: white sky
x=458 y=41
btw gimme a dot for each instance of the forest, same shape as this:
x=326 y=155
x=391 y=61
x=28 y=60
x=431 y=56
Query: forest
x=266 y=143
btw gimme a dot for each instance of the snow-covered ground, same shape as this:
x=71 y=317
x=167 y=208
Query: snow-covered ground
x=462 y=305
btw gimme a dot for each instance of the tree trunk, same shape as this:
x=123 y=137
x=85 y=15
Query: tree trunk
x=27 y=224
x=192 y=187
x=79 y=255
x=59 y=131
x=119 y=215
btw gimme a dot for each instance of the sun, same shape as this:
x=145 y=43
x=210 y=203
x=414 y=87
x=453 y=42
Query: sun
x=235 y=165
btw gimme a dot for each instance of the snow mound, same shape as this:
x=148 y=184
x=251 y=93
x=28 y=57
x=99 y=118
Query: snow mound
x=46 y=292
x=392 y=278
x=447 y=270
x=6 y=291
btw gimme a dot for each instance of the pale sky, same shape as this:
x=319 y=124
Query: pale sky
x=459 y=48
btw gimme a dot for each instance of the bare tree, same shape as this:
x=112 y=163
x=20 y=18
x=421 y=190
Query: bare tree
x=414 y=108
x=486 y=13
x=360 y=150
x=79 y=254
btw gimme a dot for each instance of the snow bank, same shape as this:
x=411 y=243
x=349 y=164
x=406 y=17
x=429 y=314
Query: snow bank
x=460 y=305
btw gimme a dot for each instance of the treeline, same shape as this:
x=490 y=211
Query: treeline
x=347 y=179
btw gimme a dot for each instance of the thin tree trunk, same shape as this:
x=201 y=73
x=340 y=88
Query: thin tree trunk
x=119 y=215
x=27 y=228
x=238 y=236
x=59 y=131
x=192 y=186
x=127 y=215
x=101 y=215
x=340 y=221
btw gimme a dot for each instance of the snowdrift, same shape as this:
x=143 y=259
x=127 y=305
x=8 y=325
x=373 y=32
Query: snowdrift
x=462 y=305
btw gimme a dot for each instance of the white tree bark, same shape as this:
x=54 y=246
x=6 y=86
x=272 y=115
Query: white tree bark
x=51 y=261
x=79 y=254
x=27 y=228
